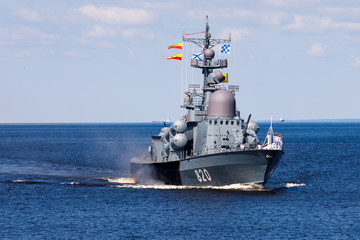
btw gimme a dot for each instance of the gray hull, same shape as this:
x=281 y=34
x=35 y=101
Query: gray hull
x=244 y=167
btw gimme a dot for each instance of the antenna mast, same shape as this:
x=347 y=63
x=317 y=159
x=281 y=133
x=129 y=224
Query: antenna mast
x=208 y=64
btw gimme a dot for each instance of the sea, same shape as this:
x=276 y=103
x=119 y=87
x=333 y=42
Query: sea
x=72 y=181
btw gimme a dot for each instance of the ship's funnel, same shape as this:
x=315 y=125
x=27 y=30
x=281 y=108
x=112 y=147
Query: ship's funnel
x=221 y=104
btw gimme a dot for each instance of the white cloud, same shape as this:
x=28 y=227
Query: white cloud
x=133 y=33
x=27 y=14
x=316 y=50
x=292 y=3
x=341 y=11
x=72 y=54
x=351 y=39
x=76 y=54
x=257 y=17
x=94 y=43
x=237 y=34
x=117 y=15
x=240 y=13
x=12 y=35
x=264 y=17
x=357 y=62
x=277 y=2
x=352 y=26
x=273 y=18
x=131 y=53
x=98 y=31
x=311 y=24
x=6 y=43
x=104 y=44
x=199 y=14
x=30 y=15
x=22 y=54
x=161 y=5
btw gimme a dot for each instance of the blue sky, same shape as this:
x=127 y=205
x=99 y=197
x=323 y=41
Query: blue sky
x=105 y=61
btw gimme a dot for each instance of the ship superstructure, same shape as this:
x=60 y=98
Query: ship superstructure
x=211 y=144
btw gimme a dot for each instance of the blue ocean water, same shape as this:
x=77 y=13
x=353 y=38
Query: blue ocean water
x=71 y=181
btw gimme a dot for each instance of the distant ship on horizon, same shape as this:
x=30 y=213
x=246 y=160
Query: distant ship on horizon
x=158 y=121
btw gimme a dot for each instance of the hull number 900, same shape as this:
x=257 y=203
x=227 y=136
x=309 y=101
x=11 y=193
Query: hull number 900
x=202 y=175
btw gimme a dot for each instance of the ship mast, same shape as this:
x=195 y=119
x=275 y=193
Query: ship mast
x=207 y=36
x=208 y=63
x=206 y=71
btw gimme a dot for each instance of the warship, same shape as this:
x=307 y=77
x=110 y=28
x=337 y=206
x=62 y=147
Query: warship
x=211 y=145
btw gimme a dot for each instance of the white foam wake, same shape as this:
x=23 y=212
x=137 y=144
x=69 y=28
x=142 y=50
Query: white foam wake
x=291 y=185
x=71 y=183
x=127 y=182
x=121 y=180
x=241 y=187
x=19 y=181
x=238 y=186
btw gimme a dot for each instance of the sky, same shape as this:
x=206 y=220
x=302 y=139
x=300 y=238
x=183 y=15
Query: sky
x=105 y=61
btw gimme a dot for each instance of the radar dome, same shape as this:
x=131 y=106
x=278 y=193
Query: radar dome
x=187 y=100
x=219 y=75
x=209 y=53
x=221 y=104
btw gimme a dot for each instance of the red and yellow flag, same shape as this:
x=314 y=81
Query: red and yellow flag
x=177 y=46
x=177 y=57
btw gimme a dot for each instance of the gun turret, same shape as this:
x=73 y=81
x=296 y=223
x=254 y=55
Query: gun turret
x=246 y=126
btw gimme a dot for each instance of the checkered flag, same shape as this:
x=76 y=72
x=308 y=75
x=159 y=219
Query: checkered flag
x=225 y=49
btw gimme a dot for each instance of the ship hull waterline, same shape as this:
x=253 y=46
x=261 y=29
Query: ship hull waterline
x=220 y=169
